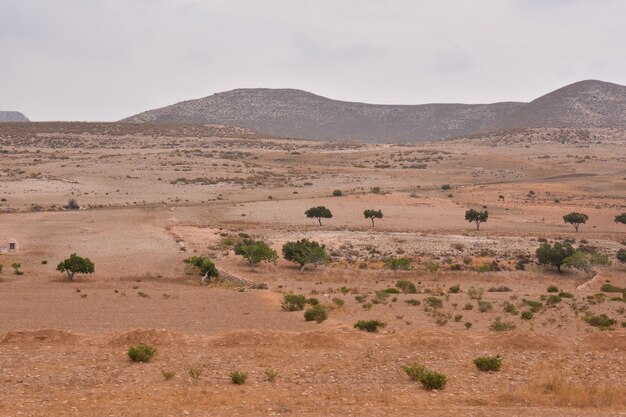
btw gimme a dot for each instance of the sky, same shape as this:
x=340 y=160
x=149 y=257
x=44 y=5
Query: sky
x=103 y=60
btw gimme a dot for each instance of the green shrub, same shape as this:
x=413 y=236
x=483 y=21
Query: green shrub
x=370 y=326
x=483 y=268
x=432 y=266
x=458 y=318
x=468 y=306
x=238 y=378
x=467 y=324
x=488 y=363
x=430 y=380
x=484 y=306
x=167 y=375
x=455 y=289
x=611 y=288
x=391 y=291
x=552 y=288
x=406 y=287
x=412 y=302
x=553 y=299
x=293 y=302
x=564 y=294
x=434 y=302
x=141 y=353
x=527 y=315
x=602 y=321
x=317 y=313
x=535 y=306
x=475 y=293
x=337 y=193
x=338 y=302
x=398 y=264
x=501 y=326
x=510 y=308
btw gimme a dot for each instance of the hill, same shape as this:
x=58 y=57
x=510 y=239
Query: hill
x=12 y=116
x=585 y=104
x=300 y=114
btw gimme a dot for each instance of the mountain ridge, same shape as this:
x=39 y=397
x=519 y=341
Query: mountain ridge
x=300 y=114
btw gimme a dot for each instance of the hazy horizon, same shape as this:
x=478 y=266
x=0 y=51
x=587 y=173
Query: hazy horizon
x=109 y=59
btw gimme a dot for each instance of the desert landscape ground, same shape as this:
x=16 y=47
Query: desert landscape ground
x=151 y=196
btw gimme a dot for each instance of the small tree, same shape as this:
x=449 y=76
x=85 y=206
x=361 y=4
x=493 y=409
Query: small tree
x=554 y=255
x=318 y=213
x=305 y=252
x=255 y=252
x=72 y=204
x=206 y=266
x=576 y=219
x=620 y=218
x=373 y=214
x=76 y=265
x=476 y=216
x=586 y=261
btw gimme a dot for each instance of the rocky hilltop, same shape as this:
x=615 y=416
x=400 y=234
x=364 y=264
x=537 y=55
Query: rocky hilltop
x=12 y=116
x=300 y=114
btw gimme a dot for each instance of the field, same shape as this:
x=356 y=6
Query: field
x=152 y=196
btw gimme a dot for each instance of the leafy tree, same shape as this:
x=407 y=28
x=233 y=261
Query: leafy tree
x=373 y=214
x=206 y=266
x=576 y=219
x=255 y=251
x=586 y=261
x=476 y=216
x=621 y=255
x=305 y=252
x=554 y=255
x=318 y=213
x=396 y=264
x=620 y=218
x=76 y=265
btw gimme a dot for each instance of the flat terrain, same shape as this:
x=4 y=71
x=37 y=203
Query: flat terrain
x=151 y=197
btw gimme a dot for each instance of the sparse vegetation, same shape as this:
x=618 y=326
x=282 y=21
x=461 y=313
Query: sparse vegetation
x=141 y=353
x=370 y=326
x=488 y=363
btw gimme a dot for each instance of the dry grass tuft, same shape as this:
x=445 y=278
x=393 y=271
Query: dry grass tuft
x=556 y=390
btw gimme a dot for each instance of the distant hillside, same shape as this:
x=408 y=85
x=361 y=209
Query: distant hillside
x=12 y=116
x=585 y=104
x=299 y=114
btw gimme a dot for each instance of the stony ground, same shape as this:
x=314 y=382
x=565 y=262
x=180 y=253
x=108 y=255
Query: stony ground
x=152 y=200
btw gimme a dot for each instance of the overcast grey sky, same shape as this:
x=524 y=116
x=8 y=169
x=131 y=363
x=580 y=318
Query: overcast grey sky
x=108 y=59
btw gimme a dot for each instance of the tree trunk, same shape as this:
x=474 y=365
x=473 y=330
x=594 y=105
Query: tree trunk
x=477 y=225
x=576 y=227
x=558 y=268
x=70 y=275
x=372 y=222
x=319 y=219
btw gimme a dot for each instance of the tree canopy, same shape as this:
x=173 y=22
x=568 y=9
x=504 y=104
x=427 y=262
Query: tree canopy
x=206 y=266
x=318 y=213
x=576 y=219
x=305 y=252
x=76 y=265
x=476 y=216
x=255 y=251
x=554 y=255
x=373 y=214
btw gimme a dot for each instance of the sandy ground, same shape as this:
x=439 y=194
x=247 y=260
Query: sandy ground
x=149 y=201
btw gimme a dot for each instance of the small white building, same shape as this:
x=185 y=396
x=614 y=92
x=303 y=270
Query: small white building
x=12 y=246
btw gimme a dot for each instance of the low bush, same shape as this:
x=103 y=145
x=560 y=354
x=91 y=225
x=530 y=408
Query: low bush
x=527 y=315
x=455 y=289
x=501 y=326
x=552 y=288
x=406 y=287
x=370 y=326
x=430 y=380
x=238 y=378
x=602 y=321
x=317 y=313
x=141 y=353
x=488 y=363
x=293 y=302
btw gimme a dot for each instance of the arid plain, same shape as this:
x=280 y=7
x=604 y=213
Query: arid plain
x=151 y=196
